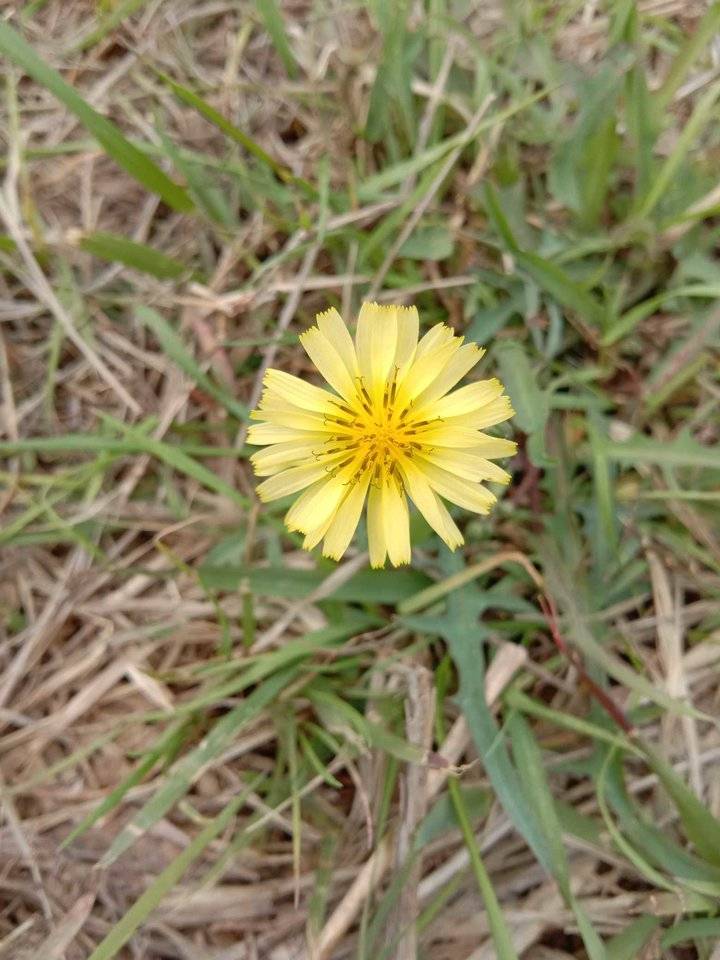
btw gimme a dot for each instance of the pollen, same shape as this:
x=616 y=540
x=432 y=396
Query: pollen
x=389 y=428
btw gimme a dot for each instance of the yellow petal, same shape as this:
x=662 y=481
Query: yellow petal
x=297 y=508
x=328 y=361
x=488 y=415
x=311 y=511
x=430 y=505
x=471 y=496
x=487 y=446
x=345 y=521
x=438 y=336
x=332 y=326
x=302 y=394
x=376 y=341
x=261 y=434
x=291 y=481
x=376 y=529
x=313 y=538
x=396 y=522
x=293 y=417
x=281 y=455
x=467 y=465
x=408 y=328
x=444 y=434
x=458 y=365
x=424 y=370
x=467 y=399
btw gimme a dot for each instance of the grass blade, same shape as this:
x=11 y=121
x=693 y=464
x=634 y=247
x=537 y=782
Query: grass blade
x=275 y=26
x=496 y=920
x=179 y=354
x=170 y=876
x=127 y=156
x=186 y=770
x=139 y=256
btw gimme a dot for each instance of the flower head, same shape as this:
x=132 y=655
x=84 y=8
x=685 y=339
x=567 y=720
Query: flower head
x=389 y=429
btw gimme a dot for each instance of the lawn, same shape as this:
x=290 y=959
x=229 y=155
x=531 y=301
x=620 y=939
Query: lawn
x=217 y=745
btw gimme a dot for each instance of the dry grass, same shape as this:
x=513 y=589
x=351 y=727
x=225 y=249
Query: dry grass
x=117 y=638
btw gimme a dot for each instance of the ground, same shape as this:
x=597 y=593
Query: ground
x=216 y=746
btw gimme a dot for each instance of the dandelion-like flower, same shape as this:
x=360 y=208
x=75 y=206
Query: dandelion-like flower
x=391 y=429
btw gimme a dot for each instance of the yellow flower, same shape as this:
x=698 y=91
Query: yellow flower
x=390 y=430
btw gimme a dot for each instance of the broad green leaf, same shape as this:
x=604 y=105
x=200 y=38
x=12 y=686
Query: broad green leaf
x=367 y=586
x=465 y=635
x=499 y=219
x=662 y=862
x=529 y=763
x=428 y=243
x=557 y=282
x=529 y=402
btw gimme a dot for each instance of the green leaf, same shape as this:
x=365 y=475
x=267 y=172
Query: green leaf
x=166 y=746
x=183 y=463
x=464 y=633
x=202 y=185
x=139 y=256
x=683 y=451
x=428 y=243
x=577 y=625
x=134 y=161
x=115 y=16
x=701 y=827
x=600 y=154
x=555 y=281
x=498 y=218
x=529 y=402
x=391 y=98
x=628 y=944
x=661 y=861
x=699 y=928
x=366 y=586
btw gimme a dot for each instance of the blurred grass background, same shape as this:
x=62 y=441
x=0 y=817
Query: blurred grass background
x=214 y=746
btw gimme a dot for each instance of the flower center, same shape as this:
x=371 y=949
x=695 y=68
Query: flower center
x=373 y=434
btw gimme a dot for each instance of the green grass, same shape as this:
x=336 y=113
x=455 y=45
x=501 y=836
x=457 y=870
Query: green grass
x=187 y=699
